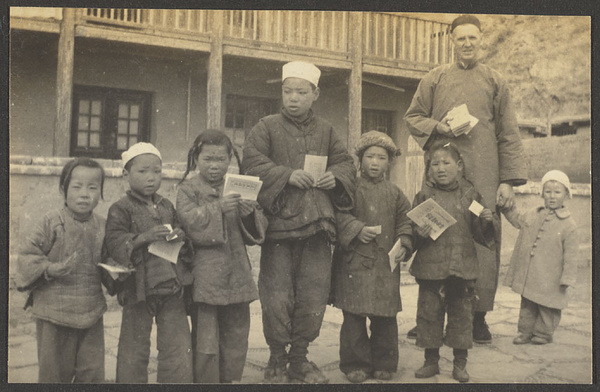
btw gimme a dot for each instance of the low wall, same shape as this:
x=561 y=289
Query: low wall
x=573 y=153
x=34 y=191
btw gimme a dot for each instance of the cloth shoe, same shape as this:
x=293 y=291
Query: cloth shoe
x=307 y=372
x=481 y=332
x=276 y=372
x=459 y=374
x=412 y=334
x=357 y=376
x=522 y=339
x=382 y=375
x=427 y=370
x=540 y=340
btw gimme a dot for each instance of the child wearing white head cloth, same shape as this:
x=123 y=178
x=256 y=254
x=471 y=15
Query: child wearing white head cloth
x=295 y=265
x=154 y=292
x=544 y=262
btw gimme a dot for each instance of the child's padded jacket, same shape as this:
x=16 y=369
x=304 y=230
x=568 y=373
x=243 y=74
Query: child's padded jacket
x=75 y=300
x=276 y=147
x=545 y=256
x=220 y=267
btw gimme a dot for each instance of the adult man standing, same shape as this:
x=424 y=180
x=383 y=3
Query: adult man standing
x=492 y=150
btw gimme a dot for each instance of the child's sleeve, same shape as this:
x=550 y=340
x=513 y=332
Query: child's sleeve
x=256 y=162
x=570 y=257
x=417 y=241
x=254 y=227
x=33 y=261
x=119 y=237
x=203 y=224
x=341 y=165
x=347 y=227
x=404 y=229
x=514 y=217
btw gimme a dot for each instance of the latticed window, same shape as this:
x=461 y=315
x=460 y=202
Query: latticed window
x=107 y=122
x=377 y=120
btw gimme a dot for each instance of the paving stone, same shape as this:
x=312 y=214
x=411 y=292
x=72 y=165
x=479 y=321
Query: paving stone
x=27 y=374
x=23 y=355
x=579 y=372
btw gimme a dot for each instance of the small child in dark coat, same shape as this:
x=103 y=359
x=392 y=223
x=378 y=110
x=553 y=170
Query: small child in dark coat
x=446 y=268
x=363 y=281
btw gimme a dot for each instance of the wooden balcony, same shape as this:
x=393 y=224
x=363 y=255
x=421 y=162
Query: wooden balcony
x=389 y=41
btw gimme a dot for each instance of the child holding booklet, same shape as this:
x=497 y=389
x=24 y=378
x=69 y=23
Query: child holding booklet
x=219 y=226
x=446 y=269
x=295 y=264
x=544 y=262
x=58 y=265
x=363 y=283
x=155 y=290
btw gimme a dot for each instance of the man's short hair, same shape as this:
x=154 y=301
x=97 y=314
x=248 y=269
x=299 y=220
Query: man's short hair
x=465 y=19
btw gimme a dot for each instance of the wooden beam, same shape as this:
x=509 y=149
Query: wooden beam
x=215 y=72
x=64 y=84
x=46 y=26
x=355 y=82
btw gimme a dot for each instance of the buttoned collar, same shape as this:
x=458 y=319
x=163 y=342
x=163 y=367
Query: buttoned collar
x=77 y=218
x=462 y=65
x=299 y=124
x=156 y=198
x=561 y=213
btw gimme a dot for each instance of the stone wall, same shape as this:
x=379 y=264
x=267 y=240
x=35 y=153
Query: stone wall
x=571 y=154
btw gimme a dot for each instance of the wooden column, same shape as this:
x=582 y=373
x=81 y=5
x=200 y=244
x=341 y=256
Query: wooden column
x=64 y=84
x=215 y=71
x=355 y=83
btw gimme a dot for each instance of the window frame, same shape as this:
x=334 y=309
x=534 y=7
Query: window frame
x=109 y=119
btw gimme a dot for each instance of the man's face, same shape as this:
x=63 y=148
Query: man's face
x=467 y=42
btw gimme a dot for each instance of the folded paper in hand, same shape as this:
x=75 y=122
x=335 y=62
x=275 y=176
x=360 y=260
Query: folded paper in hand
x=167 y=250
x=476 y=208
x=430 y=212
x=115 y=270
x=393 y=253
x=315 y=165
x=462 y=121
x=246 y=186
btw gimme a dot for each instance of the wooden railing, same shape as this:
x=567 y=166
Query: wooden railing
x=187 y=21
x=399 y=37
x=386 y=36
x=324 y=30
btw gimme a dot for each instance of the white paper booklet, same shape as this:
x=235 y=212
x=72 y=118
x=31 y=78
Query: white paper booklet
x=167 y=250
x=246 y=186
x=392 y=254
x=462 y=121
x=430 y=212
x=316 y=165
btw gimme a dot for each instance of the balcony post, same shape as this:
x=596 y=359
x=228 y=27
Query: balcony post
x=355 y=83
x=64 y=84
x=215 y=71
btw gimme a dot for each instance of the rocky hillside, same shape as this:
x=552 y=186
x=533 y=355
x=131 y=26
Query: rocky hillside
x=546 y=59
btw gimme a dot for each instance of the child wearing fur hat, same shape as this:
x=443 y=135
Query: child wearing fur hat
x=155 y=290
x=363 y=284
x=544 y=261
x=447 y=268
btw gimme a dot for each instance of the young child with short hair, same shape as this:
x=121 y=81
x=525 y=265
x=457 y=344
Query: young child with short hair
x=295 y=265
x=363 y=283
x=58 y=265
x=155 y=290
x=219 y=227
x=446 y=268
x=544 y=261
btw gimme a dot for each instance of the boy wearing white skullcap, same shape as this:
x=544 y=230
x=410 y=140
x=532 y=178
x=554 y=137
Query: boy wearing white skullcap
x=155 y=289
x=295 y=266
x=544 y=262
